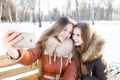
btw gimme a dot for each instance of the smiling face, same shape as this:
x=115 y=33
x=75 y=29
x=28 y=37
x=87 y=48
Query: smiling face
x=77 y=36
x=65 y=33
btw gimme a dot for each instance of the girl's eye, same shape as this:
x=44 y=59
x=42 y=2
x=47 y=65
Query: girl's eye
x=65 y=29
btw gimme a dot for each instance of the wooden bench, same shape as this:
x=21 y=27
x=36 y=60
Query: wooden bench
x=4 y=63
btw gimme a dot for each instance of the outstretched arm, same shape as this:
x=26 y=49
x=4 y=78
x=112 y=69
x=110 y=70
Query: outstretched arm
x=17 y=54
x=30 y=56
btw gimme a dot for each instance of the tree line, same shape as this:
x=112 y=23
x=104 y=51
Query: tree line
x=25 y=10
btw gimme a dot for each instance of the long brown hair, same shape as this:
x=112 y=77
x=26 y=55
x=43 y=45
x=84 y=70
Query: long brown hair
x=86 y=35
x=53 y=31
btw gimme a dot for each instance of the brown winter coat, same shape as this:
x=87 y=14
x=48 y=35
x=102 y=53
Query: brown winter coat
x=32 y=55
x=92 y=64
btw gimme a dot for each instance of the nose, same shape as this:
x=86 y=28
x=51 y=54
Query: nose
x=74 y=37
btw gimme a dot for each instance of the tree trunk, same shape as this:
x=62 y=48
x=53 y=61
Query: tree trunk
x=49 y=15
x=10 y=16
x=68 y=7
x=31 y=18
x=23 y=10
x=1 y=11
x=77 y=15
x=16 y=16
x=39 y=19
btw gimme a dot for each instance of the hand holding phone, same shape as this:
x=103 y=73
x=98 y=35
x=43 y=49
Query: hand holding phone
x=9 y=39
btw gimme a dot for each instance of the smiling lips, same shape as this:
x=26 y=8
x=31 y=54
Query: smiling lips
x=64 y=37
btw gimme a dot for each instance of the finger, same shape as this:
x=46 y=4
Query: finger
x=15 y=40
x=8 y=33
x=13 y=36
x=4 y=38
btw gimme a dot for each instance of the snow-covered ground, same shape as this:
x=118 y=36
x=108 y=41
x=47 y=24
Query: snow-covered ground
x=109 y=30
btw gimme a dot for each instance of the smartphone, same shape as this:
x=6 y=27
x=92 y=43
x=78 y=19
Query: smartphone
x=28 y=40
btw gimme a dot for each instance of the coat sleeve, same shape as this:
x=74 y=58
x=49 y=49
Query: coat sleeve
x=100 y=69
x=30 y=56
x=70 y=72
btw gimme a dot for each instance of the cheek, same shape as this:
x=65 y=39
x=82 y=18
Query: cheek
x=69 y=35
x=80 y=41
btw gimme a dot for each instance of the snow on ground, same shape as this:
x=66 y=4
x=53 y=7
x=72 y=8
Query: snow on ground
x=109 y=30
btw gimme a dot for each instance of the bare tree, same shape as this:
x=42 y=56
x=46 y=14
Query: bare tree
x=1 y=9
x=68 y=7
x=109 y=10
x=82 y=10
x=49 y=15
x=31 y=12
x=92 y=12
x=39 y=14
x=30 y=8
x=16 y=9
x=55 y=14
x=9 y=11
x=23 y=9
x=77 y=12
x=10 y=17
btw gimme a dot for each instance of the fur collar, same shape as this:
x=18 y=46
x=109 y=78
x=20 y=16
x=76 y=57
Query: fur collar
x=94 y=50
x=63 y=48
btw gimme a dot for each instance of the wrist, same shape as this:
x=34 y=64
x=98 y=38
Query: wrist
x=15 y=55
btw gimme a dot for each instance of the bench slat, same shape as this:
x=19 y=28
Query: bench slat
x=4 y=61
x=30 y=77
x=17 y=71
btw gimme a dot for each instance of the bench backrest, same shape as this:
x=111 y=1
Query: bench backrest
x=9 y=70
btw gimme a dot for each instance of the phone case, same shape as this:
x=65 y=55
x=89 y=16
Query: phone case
x=28 y=40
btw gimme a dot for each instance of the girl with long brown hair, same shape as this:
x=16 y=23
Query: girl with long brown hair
x=88 y=53
x=54 y=51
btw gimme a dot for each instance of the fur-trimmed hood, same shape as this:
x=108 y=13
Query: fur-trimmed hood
x=95 y=48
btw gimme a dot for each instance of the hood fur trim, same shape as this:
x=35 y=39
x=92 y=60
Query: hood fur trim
x=95 y=48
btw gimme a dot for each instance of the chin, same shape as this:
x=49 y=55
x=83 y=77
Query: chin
x=61 y=39
x=77 y=44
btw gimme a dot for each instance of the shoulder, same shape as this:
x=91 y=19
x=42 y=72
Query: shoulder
x=100 y=61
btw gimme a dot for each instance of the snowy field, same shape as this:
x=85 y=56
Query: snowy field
x=109 y=30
